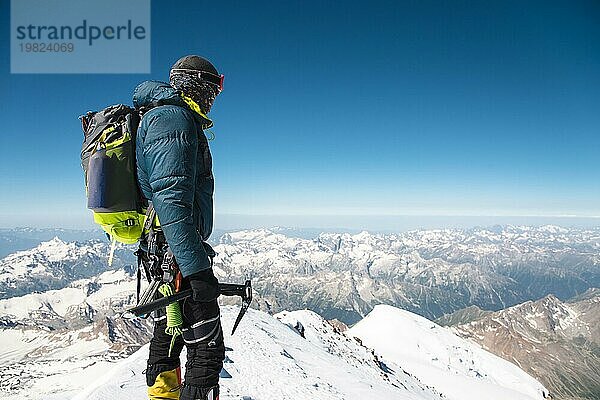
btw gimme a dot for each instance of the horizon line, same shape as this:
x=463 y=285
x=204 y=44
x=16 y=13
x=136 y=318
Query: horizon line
x=418 y=215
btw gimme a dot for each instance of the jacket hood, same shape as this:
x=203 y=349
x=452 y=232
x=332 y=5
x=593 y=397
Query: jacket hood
x=153 y=93
x=156 y=93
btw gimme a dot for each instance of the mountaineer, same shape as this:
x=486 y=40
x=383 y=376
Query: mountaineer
x=174 y=172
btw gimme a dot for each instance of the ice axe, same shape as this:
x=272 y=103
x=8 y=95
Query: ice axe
x=225 y=289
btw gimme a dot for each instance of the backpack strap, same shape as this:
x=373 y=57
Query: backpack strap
x=149 y=227
x=150 y=215
x=113 y=246
x=139 y=278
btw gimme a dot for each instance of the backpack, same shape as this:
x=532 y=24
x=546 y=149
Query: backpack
x=108 y=162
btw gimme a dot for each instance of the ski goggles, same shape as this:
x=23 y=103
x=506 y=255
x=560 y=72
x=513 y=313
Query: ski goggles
x=205 y=76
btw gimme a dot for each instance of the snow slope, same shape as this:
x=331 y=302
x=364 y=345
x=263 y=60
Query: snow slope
x=298 y=355
x=56 y=342
x=460 y=369
x=268 y=359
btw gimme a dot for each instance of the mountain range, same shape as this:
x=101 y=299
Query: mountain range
x=55 y=263
x=431 y=273
x=61 y=310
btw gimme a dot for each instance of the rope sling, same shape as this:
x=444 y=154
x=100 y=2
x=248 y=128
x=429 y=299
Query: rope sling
x=174 y=317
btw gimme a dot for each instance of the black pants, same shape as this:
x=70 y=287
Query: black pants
x=203 y=338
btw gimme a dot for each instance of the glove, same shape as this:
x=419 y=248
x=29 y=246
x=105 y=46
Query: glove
x=205 y=286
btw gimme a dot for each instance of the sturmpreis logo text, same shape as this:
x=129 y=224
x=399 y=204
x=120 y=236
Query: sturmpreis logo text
x=80 y=36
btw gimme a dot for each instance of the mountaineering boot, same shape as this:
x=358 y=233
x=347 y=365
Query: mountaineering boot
x=166 y=385
x=189 y=392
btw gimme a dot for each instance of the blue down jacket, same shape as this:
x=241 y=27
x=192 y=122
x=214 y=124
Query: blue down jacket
x=174 y=169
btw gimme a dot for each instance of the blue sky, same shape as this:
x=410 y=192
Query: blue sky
x=476 y=108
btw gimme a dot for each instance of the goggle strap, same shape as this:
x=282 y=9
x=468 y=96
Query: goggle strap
x=206 y=76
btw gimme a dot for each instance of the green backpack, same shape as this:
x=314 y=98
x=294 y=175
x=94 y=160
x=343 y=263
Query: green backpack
x=108 y=161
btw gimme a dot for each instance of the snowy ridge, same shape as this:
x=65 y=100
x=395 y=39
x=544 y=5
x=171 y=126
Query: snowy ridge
x=459 y=369
x=269 y=359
